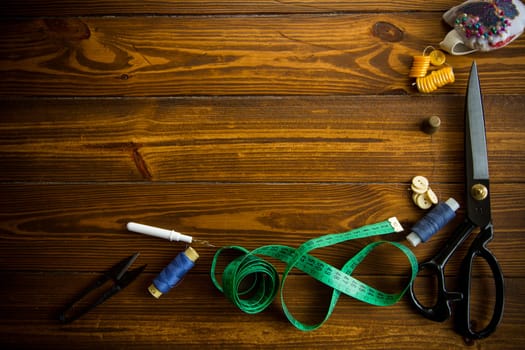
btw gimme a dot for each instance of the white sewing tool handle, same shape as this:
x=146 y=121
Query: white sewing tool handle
x=158 y=232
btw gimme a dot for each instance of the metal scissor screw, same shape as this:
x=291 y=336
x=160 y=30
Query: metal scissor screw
x=479 y=192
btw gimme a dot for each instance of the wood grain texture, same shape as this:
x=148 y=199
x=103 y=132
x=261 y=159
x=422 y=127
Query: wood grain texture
x=238 y=122
x=200 y=7
x=187 y=310
x=53 y=227
x=329 y=139
x=348 y=54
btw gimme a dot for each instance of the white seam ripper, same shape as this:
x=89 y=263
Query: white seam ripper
x=170 y=235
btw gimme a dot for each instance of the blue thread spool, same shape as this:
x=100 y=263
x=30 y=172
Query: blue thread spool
x=173 y=273
x=434 y=221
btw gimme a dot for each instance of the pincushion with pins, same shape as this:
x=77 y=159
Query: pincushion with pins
x=483 y=25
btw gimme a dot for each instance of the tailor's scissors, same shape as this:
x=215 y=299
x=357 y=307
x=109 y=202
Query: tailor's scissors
x=477 y=215
x=121 y=278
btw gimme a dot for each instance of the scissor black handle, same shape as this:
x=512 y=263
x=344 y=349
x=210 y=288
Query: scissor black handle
x=441 y=310
x=463 y=323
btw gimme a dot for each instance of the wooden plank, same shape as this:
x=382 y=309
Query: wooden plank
x=175 y=7
x=81 y=227
x=322 y=139
x=194 y=313
x=344 y=54
x=237 y=122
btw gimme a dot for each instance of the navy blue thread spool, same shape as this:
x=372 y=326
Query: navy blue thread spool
x=434 y=221
x=174 y=272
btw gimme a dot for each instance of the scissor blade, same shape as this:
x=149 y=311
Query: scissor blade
x=476 y=162
x=117 y=271
x=476 y=139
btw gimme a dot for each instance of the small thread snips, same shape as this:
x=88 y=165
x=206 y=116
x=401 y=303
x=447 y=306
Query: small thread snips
x=120 y=277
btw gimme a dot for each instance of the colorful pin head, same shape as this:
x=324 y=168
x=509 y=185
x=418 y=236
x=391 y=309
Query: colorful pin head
x=483 y=25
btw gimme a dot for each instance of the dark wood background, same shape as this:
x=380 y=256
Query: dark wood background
x=238 y=122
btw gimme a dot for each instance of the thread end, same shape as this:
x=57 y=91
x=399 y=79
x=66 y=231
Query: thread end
x=414 y=239
x=152 y=289
x=191 y=254
x=452 y=203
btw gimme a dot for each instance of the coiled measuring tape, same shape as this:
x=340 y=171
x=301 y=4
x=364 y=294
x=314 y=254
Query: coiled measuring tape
x=261 y=293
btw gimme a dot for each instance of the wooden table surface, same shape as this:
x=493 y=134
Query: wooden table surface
x=242 y=123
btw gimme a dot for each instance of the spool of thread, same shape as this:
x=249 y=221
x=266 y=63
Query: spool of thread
x=434 y=221
x=174 y=272
x=435 y=80
x=419 y=67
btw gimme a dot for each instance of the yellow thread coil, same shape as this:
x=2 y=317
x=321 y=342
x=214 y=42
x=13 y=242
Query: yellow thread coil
x=435 y=80
x=419 y=66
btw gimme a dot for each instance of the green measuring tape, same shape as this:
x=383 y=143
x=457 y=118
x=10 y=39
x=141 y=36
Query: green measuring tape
x=264 y=279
